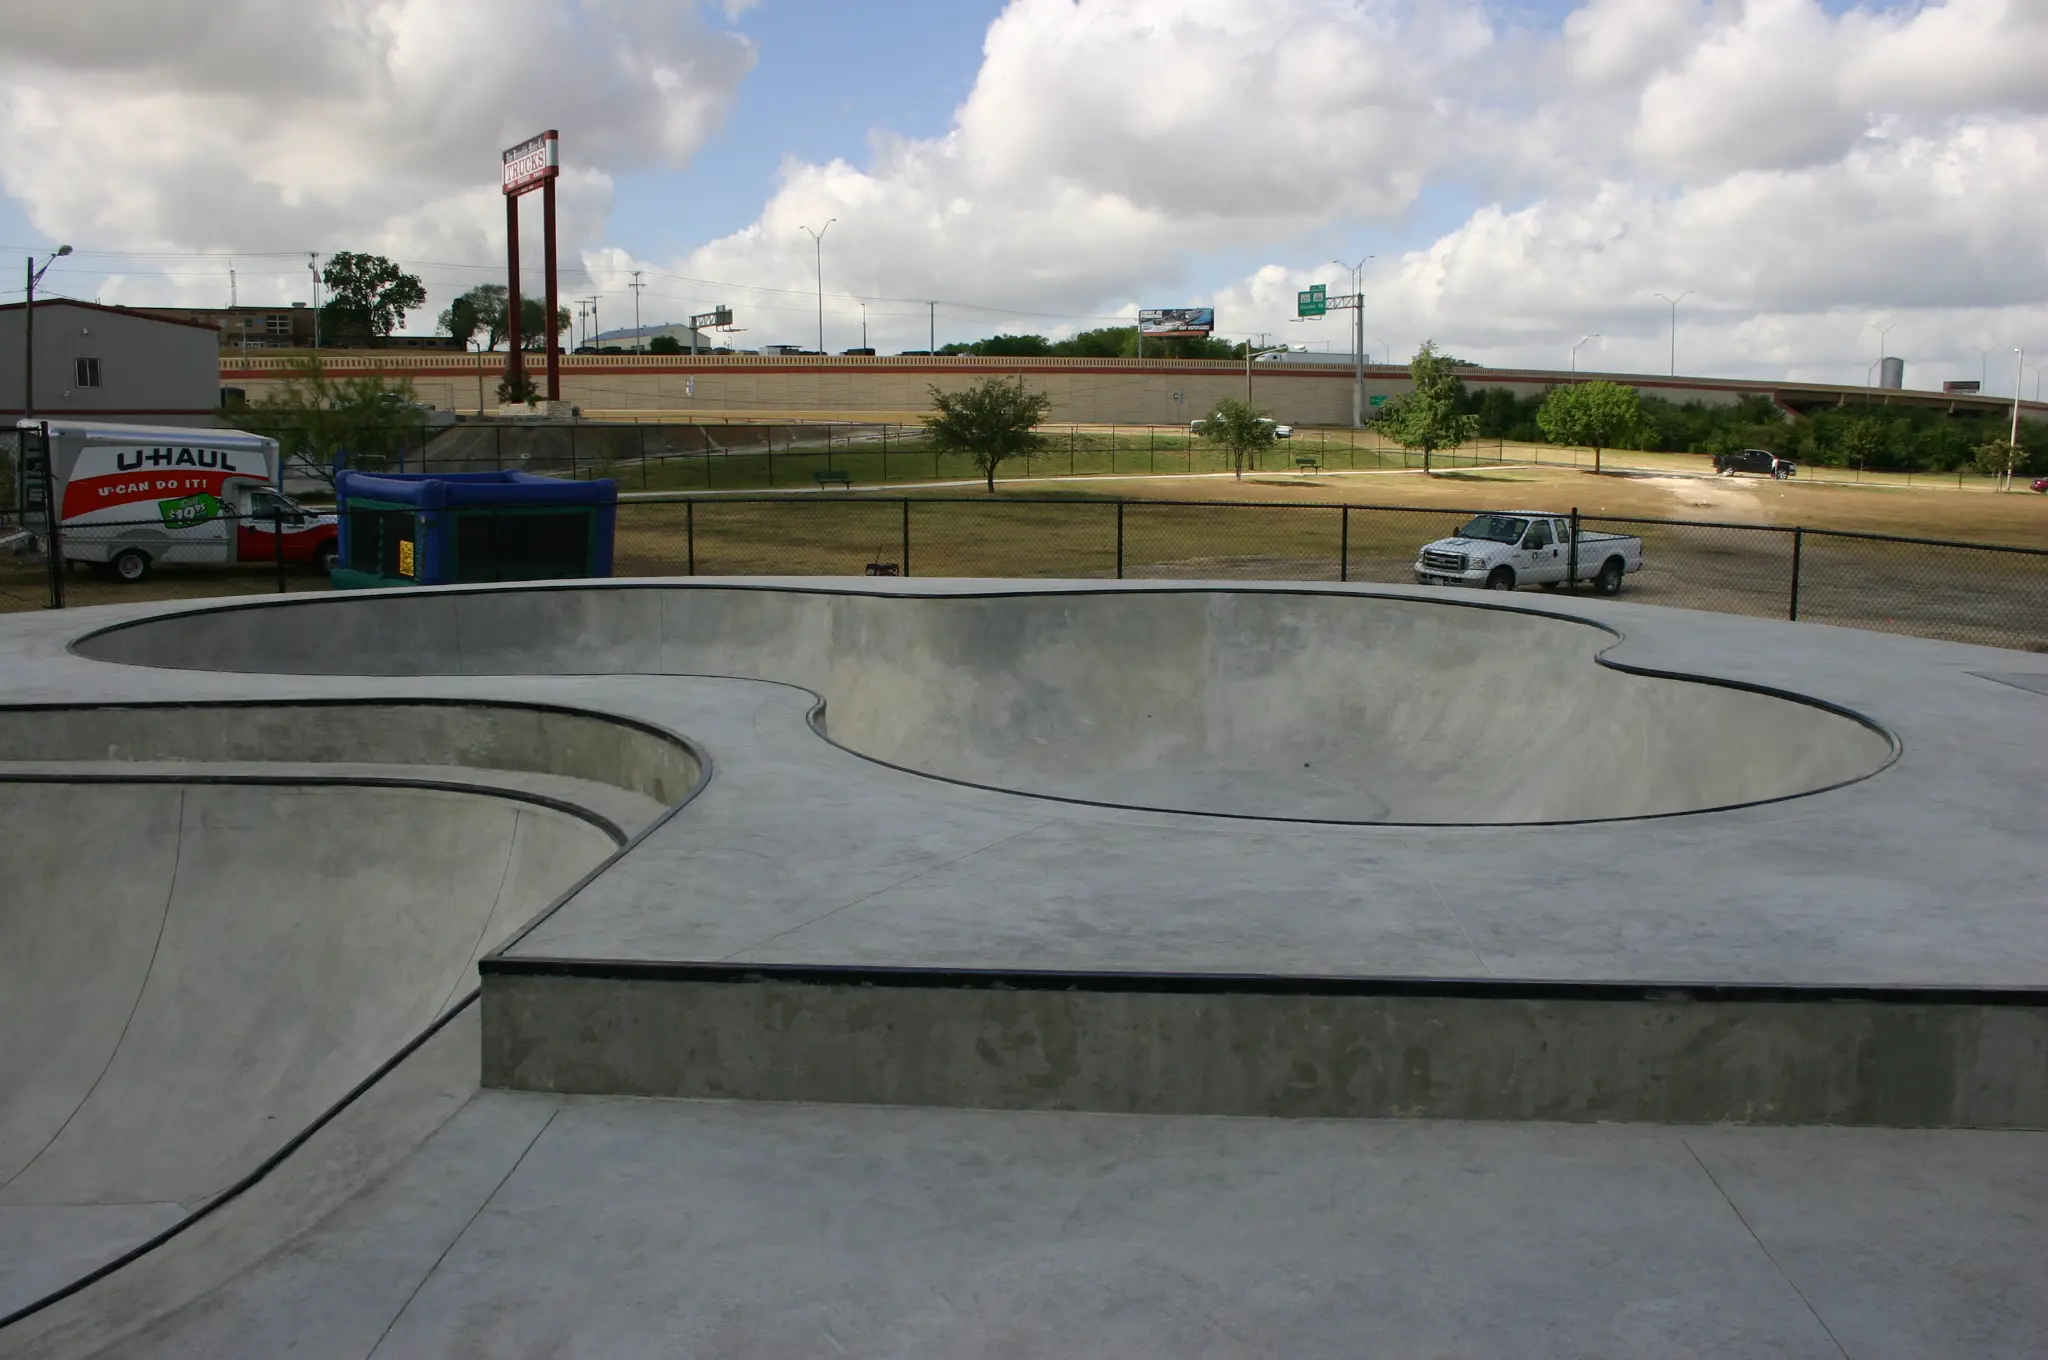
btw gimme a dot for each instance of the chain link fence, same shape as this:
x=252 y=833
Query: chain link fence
x=650 y=456
x=1963 y=592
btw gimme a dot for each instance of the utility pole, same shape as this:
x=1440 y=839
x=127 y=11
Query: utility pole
x=639 y=340
x=596 y=340
x=863 y=325
x=1674 y=301
x=932 y=317
x=818 y=242
x=313 y=268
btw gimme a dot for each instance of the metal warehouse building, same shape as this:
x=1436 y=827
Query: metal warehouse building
x=110 y=363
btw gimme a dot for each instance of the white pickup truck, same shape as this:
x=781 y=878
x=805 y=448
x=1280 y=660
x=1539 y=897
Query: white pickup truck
x=1528 y=547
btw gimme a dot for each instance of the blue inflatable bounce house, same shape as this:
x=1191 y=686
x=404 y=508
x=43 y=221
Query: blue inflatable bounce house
x=440 y=529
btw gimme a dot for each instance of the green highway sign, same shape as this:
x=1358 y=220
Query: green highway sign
x=1378 y=401
x=1314 y=302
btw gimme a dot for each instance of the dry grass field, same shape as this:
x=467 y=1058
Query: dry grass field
x=1734 y=552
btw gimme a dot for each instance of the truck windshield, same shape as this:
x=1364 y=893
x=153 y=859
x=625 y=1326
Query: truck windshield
x=1494 y=528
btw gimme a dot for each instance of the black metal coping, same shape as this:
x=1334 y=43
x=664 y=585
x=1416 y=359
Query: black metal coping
x=1249 y=984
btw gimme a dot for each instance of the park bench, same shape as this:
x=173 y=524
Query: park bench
x=839 y=479
x=1308 y=463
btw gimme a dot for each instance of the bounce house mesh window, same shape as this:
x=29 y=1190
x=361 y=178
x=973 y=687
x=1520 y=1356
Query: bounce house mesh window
x=374 y=539
x=521 y=546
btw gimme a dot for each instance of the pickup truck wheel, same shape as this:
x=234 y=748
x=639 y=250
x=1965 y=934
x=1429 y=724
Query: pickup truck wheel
x=1608 y=582
x=1503 y=578
x=327 y=556
x=130 y=565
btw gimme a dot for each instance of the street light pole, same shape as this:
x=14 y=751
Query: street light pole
x=1984 y=367
x=1357 y=341
x=1882 y=333
x=818 y=243
x=2012 y=443
x=863 y=325
x=1575 y=349
x=1674 y=301
x=639 y=340
x=28 y=328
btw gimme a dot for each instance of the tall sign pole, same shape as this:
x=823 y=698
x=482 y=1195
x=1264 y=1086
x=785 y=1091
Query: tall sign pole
x=1315 y=301
x=533 y=164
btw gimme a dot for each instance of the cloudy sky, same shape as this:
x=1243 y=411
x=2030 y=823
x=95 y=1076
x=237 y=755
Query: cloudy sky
x=1523 y=172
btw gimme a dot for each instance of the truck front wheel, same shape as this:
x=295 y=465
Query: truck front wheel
x=1608 y=582
x=327 y=556
x=1502 y=578
x=130 y=565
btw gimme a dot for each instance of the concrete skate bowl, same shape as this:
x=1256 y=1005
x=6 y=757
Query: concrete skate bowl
x=204 y=956
x=1291 y=705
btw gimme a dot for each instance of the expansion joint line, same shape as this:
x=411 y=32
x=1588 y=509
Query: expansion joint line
x=1715 y=1181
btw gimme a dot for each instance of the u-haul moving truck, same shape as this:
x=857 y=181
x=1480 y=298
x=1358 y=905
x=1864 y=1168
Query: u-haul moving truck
x=135 y=496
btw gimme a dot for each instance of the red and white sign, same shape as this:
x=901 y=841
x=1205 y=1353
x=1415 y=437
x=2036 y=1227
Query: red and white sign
x=532 y=161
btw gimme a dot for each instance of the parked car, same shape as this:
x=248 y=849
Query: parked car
x=1279 y=431
x=1503 y=551
x=2041 y=484
x=1760 y=461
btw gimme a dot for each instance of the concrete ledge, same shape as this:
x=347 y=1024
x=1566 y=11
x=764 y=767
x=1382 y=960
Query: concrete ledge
x=1322 y=1047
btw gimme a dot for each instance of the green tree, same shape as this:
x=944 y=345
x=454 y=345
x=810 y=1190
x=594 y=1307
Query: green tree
x=1429 y=416
x=1240 y=429
x=532 y=317
x=323 y=423
x=664 y=344
x=460 y=319
x=368 y=297
x=991 y=422
x=1595 y=415
x=487 y=303
x=1861 y=442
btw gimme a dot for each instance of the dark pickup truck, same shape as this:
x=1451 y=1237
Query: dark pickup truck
x=1760 y=461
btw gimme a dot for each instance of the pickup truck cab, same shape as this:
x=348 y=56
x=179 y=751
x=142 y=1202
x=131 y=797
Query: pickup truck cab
x=1760 y=461
x=1501 y=551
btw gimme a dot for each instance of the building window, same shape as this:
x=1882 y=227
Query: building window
x=88 y=372
x=278 y=323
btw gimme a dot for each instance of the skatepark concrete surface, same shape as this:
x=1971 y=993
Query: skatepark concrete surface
x=251 y=853
x=1274 y=705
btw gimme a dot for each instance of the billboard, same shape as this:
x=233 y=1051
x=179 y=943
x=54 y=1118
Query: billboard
x=532 y=161
x=1964 y=386
x=1159 y=323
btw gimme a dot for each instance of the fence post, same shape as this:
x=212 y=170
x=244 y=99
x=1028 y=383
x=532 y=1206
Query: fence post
x=690 y=538
x=572 y=453
x=1112 y=450
x=1070 y=450
x=641 y=431
x=1571 y=575
x=1119 y=540
x=53 y=517
x=1798 y=551
x=1344 y=547
x=906 y=535
x=885 y=453
x=277 y=543
x=771 y=456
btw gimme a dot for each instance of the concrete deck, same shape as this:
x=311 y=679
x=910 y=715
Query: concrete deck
x=1919 y=872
